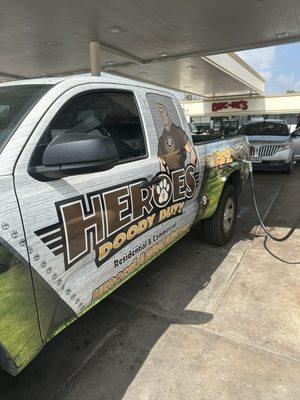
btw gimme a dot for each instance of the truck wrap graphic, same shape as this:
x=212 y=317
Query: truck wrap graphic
x=66 y=244
x=112 y=218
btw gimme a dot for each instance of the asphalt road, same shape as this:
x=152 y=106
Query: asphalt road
x=200 y=322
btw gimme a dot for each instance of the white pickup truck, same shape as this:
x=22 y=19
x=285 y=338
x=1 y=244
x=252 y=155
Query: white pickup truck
x=98 y=177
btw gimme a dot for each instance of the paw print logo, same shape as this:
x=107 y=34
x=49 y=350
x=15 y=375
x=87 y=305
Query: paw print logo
x=5 y=226
x=162 y=192
x=14 y=234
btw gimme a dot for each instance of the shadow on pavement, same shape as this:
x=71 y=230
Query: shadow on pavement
x=106 y=347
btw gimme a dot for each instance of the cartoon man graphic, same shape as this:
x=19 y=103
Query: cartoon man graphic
x=173 y=145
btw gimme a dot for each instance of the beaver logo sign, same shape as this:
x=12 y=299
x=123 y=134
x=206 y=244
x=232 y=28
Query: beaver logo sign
x=117 y=215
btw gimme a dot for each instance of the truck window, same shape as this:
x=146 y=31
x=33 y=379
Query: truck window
x=174 y=147
x=15 y=102
x=109 y=113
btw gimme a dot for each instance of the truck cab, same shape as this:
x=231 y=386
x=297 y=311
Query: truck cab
x=98 y=177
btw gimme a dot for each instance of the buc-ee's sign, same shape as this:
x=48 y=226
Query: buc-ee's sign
x=224 y=105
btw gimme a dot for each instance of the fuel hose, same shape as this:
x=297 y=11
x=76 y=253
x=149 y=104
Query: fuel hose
x=268 y=233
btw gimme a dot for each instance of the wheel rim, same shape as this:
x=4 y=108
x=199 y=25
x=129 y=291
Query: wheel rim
x=228 y=216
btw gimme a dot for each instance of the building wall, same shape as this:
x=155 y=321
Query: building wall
x=277 y=104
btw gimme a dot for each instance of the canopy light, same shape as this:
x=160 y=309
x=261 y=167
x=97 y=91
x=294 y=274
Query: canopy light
x=282 y=35
x=116 y=29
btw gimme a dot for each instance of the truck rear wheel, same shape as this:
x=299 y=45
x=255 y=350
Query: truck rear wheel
x=219 y=228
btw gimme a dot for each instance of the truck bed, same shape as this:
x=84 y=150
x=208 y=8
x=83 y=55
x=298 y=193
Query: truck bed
x=205 y=138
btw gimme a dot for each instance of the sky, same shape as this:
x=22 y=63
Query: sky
x=279 y=65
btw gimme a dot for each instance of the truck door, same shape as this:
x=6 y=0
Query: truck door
x=88 y=233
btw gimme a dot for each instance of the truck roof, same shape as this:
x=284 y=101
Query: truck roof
x=82 y=79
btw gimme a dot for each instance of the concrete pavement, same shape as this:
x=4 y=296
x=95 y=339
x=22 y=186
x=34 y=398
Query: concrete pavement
x=200 y=322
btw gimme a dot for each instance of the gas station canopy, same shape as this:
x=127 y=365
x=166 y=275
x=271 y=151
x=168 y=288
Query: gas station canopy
x=171 y=43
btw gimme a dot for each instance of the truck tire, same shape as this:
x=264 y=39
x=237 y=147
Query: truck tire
x=219 y=228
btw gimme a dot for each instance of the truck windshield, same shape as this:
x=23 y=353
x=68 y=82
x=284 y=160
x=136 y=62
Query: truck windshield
x=15 y=103
x=264 y=128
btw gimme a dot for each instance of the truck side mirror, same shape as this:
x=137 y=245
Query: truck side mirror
x=76 y=153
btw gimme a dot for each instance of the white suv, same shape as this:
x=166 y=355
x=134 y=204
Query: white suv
x=271 y=145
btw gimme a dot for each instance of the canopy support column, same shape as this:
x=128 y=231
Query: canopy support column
x=95 y=58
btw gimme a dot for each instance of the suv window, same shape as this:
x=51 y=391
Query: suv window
x=108 y=113
x=264 y=128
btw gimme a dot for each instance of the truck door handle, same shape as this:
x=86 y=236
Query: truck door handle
x=153 y=181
